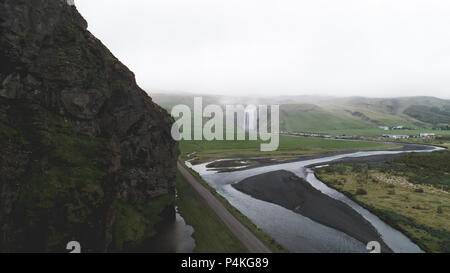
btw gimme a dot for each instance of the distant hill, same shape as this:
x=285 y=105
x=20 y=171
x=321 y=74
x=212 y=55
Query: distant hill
x=429 y=114
x=321 y=114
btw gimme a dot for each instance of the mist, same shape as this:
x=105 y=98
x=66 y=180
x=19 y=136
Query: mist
x=379 y=48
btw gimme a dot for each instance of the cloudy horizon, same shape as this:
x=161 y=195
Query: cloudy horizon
x=367 y=48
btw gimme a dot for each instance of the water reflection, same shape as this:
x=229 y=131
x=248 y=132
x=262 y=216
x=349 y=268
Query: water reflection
x=174 y=236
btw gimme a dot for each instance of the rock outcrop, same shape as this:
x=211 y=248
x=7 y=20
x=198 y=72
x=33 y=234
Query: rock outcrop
x=85 y=153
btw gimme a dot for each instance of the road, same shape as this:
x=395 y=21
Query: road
x=241 y=232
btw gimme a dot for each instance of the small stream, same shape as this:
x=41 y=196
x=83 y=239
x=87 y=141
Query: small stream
x=294 y=231
x=174 y=236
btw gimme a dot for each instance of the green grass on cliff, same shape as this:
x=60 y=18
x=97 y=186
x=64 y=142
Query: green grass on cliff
x=62 y=198
x=64 y=192
x=135 y=224
x=211 y=235
x=6 y=131
x=8 y=134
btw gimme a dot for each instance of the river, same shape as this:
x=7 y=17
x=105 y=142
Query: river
x=294 y=231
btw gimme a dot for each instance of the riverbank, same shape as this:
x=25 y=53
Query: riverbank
x=282 y=223
x=287 y=190
x=230 y=165
x=241 y=219
x=407 y=193
x=290 y=148
x=210 y=234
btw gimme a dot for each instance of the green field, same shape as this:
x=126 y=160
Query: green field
x=311 y=118
x=440 y=141
x=290 y=146
x=211 y=235
x=411 y=193
x=380 y=132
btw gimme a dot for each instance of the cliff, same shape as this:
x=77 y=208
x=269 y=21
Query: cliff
x=85 y=153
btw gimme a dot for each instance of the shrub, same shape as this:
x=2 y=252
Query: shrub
x=361 y=192
x=340 y=169
x=336 y=182
x=419 y=190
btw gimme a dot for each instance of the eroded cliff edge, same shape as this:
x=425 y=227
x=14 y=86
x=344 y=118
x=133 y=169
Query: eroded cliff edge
x=85 y=153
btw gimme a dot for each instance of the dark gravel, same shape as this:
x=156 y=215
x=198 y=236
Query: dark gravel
x=287 y=190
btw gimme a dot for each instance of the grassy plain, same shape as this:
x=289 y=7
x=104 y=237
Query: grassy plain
x=290 y=147
x=380 y=132
x=410 y=193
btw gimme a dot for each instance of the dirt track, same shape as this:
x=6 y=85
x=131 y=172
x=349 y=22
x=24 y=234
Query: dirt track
x=242 y=233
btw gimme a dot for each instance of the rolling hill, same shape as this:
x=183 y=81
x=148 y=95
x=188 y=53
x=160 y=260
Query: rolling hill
x=338 y=115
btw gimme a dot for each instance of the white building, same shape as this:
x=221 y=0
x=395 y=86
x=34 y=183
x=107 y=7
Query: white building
x=398 y=127
x=427 y=135
x=397 y=136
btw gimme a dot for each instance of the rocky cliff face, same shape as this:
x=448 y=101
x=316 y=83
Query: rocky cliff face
x=85 y=153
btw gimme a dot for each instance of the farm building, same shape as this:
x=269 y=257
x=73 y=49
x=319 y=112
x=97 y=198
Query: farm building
x=397 y=136
x=427 y=135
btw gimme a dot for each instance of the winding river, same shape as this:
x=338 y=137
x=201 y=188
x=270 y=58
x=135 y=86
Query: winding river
x=294 y=231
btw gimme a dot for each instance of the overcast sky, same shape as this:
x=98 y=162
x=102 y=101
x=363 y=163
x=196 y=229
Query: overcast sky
x=269 y=47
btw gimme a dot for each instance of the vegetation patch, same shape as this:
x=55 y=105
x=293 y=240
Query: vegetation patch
x=410 y=193
x=134 y=224
x=61 y=196
x=429 y=114
x=289 y=146
x=210 y=234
